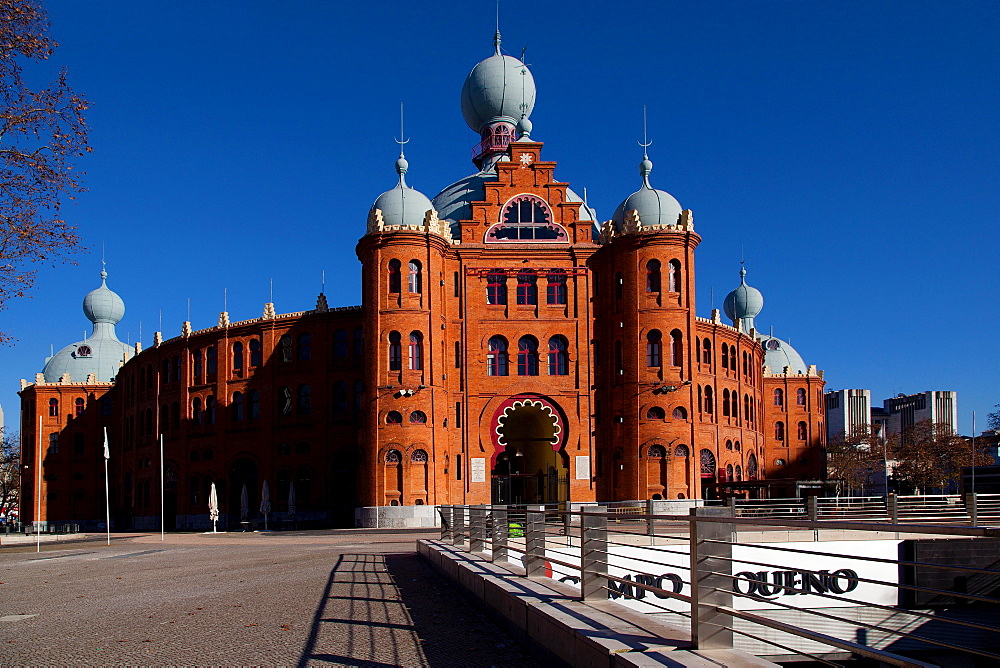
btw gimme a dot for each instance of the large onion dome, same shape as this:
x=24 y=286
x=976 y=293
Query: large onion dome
x=655 y=207
x=743 y=304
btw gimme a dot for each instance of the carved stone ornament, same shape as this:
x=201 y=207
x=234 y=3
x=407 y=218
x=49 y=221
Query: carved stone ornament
x=65 y=379
x=157 y=339
x=186 y=328
x=269 y=313
x=686 y=220
x=39 y=378
x=375 y=221
x=91 y=378
x=224 y=319
x=608 y=232
x=631 y=224
x=321 y=304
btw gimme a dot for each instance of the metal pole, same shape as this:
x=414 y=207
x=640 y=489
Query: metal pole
x=534 y=541
x=163 y=508
x=107 y=500
x=594 y=554
x=38 y=495
x=501 y=534
x=974 y=452
x=477 y=528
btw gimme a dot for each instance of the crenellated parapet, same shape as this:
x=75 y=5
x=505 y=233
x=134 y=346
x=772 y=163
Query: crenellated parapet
x=633 y=224
x=430 y=225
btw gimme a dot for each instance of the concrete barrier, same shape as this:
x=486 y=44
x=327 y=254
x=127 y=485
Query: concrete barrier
x=548 y=617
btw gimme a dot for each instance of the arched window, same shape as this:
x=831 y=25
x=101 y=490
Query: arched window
x=359 y=343
x=653 y=348
x=496 y=357
x=655 y=413
x=419 y=457
x=414 y=282
x=525 y=217
x=729 y=471
x=739 y=473
x=527 y=288
x=734 y=404
x=680 y=413
x=656 y=452
x=558 y=357
x=340 y=396
x=527 y=356
x=236 y=407
x=78 y=406
x=746 y=407
x=555 y=292
x=177 y=368
x=165 y=372
x=196 y=411
x=359 y=391
x=752 y=467
x=304 y=399
x=418 y=417
x=803 y=431
x=779 y=462
x=196 y=358
x=674 y=276
x=653 y=276
x=237 y=356
x=800 y=396
x=779 y=397
x=253 y=401
x=393 y=457
x=676 y=348
x=729 y=444
x=285 y=400
x=496 y=287
x=707 y=463
x=210 y=410
x=709 y=400
x=416 y=351
x=211 y=360
x=737 y=446
x=305 y=346
x=395 y=351
x=779 y=431
x=706 y=352
x=394 y=417
x=340 y=348
x=725 y=403
x=394 y=277
x=682 y=451
x=619 y=285
x=725 y=355
x=286 y=348
x=256 y=355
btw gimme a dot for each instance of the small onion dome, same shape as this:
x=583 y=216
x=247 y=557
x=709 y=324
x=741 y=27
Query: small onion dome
x=655 y=207
x=779 y=354
x=103 y=305
x=743 y=302
x=402 y=205
x=499 y=88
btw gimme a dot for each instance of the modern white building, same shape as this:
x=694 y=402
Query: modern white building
x=847 y=411
x=905 y=410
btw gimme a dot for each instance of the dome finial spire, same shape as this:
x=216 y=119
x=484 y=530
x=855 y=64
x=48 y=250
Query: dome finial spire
x=496 y=35
x=104 y=265
x=401 y=164
x=646 y=166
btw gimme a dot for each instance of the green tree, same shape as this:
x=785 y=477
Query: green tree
x=931 y=456
x=42 y=132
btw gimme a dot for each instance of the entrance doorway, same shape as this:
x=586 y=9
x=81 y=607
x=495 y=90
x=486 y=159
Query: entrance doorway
x=532 y=467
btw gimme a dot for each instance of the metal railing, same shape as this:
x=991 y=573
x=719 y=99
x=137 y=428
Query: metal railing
x=786 y=594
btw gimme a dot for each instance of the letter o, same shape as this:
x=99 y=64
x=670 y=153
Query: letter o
x=751 y=578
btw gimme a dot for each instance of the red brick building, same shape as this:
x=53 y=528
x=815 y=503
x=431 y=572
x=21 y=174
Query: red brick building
x=509 y=349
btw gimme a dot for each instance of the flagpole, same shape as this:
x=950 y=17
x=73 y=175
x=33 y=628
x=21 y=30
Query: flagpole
x=38 y=495
x=107 y=500
x=163 y=510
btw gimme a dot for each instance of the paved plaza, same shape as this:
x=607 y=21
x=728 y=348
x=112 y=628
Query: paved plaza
x=300 y=598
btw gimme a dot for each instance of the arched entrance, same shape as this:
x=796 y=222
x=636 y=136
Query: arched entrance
x=529 y=462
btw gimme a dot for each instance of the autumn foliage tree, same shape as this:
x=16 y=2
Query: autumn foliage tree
x=852 y=457
x=931 y=455
x=42 y=132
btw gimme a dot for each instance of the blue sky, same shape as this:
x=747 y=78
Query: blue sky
x=849 y=149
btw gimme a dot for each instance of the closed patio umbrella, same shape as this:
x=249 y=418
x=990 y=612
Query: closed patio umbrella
x=244 y=504
x=265 y=502
x=291 y=499
x=213 y=506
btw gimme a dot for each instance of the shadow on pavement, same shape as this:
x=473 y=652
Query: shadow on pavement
x=392 y=610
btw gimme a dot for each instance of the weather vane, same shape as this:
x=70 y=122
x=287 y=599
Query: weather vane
x=401 y=141
x=644 y=143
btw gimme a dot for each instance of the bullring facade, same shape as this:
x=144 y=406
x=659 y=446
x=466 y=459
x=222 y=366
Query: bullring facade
x=510 y=348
